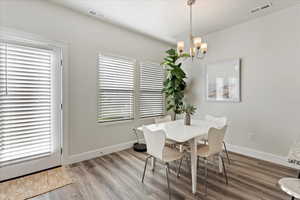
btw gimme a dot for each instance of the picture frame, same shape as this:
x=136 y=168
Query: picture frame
x=223 y=81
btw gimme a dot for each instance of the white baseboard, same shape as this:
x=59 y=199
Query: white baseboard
x=260 y=155
x=97 y=153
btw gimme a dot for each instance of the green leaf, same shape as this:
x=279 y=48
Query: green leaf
x=170 y=107
x=171 y=52
x=184 y=55
x=169 y=60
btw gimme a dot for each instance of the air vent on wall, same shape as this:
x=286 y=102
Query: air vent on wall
x=260 y=8
x=92 y=12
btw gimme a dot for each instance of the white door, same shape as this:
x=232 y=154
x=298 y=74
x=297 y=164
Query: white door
x=30 y=108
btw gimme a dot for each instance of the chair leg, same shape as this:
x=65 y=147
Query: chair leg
x=188 y=162
x=216 y=163
x=205 y=165
x=198 y=162
x=225 y=148
x=167 y=174
x=146 y=162
x=178 y=173
x=224 y=169
x=154 y=162
x=292 y=198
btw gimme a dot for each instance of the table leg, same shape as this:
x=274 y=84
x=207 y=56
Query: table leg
x=193 y=145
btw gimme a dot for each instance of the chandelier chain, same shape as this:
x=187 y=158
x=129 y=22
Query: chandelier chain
x=191 y=19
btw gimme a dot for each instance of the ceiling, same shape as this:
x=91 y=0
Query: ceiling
x=167 y=20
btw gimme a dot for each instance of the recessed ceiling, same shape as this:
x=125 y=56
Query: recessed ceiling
x=168 y=19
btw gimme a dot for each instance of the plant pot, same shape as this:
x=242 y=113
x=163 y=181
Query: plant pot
x=187 y=120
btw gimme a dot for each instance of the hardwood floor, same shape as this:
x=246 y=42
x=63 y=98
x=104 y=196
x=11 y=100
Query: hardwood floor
x=118 y=176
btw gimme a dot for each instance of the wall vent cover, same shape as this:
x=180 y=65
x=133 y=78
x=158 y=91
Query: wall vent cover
x=92 y=12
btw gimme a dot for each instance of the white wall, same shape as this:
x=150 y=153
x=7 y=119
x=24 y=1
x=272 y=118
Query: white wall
x=85 y=38
x=267 y=119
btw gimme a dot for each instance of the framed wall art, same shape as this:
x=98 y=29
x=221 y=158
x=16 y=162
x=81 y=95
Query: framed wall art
x=223 y=81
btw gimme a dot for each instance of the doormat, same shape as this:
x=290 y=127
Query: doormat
x=35 y=184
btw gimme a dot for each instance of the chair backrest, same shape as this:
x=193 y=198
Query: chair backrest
x=162 y=119
x=155 y=141
x=215 y=139
x=218 y=122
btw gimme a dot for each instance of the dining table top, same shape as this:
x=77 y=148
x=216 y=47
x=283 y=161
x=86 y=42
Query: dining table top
x=177 y=131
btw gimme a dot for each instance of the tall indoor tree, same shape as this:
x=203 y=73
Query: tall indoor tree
x=174 y=85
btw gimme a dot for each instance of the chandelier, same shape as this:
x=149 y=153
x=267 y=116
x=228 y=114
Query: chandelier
x=197 y=49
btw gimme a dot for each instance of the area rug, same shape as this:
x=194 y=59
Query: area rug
x=34 y=184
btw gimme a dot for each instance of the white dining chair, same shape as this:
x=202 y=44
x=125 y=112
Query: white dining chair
x=218 y=122
x=214 y=147
x=156 y=148
x=291 y=185
x=162 y=119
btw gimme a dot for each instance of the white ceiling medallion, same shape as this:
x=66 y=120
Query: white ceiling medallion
x=197 y=48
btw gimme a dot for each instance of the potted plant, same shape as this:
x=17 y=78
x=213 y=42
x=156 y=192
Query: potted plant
x=189 y=110
x=174 y=84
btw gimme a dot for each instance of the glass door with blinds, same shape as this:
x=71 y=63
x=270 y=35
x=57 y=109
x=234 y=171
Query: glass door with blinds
x=30 y=108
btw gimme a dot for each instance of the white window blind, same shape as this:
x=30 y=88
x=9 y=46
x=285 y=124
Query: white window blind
x=25 y=103
x=151 y=85
x=116 y=88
